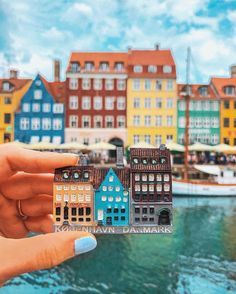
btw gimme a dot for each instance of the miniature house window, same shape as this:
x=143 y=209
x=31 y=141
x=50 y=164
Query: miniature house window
x=137 y=188
x=87 y=198
x=145 y=161
x=58 y=210
x=163 y=160
x=110 y=198
x=104 y=198
x=81 y=211
x=87 y=188
x=144 y=188
x=151 y=210
x=81 y=198
x=73 y=197
x=154 y=161
x=111 y=179
x=37 y=94
x=122 y=210
x=135 y=160
x=73 y=219
x=118 y=199
x=137 y=177
x=151 y=219
x=88 y=210
x=116 y=210
x=109 y=220
x=104 y=188
x=151 y=177
x=109 y=210
x=144 y=197
x=86 y=175
x=144 y=219
x=159 y=177
x=65 y=174
x=166 y=187
x=73 y=211
x=145 y=210
x=166 y=177
x=66 y=188
x=144 y=177
x=110 y=188
x=159 y=187
x=58 y=188
x=81 y=219
x=81 y=188
x=137 y=210
x=58 y=197
x=122 y=218
x=126 y=193
x=88 y=219
x=66 y=197
x=166 y=198
x=73 y=188
x=151 y=188
x=117 y=188
x=38 y=83
x=76 y=175
x=137 y=219
x=125 y=199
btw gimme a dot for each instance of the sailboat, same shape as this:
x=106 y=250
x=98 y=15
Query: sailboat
x=222 y=180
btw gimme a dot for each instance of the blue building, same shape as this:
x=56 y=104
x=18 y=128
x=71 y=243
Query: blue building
x=112 y=197
x=40 y=116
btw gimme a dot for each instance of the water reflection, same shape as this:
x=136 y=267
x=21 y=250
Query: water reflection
x=199 y=257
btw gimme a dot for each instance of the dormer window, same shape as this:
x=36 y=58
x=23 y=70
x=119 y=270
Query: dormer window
x=37 y=94
x=75 y=67
x=186 y=90
x=119 y=66
x=138 y=68
x=152 y=68
x=89 y=66
x=104 y=66
x=203 y=91
x=229 y=90
x=167 y=69
x=6 y=86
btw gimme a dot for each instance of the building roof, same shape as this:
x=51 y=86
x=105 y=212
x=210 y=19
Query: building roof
x=56 y=89
x=195 y=93
x=16 y=84
x=220 y=83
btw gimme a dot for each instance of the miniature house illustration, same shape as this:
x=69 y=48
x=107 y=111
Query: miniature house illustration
x=118 y=197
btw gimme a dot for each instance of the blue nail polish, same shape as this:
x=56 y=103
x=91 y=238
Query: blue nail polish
x=84 y=245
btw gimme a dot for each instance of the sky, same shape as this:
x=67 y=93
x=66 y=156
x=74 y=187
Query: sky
x=33 y=32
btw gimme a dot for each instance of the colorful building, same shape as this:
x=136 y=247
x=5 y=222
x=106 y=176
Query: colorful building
x=151 y=97
x=11 y=91
x=112 y=197
x=40 y=115
x=204 y=115
x=96 y=98
x=226 y=91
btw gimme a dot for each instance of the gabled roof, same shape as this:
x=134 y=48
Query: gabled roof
x=220 y=83
x=15 y=83
x=195 y=94
x=56 y=89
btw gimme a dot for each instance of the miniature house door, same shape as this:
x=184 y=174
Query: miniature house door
x=100 y=214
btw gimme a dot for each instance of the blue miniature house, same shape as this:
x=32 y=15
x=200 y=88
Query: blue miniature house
x=112 y=199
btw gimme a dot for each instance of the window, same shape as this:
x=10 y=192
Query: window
x=104 y=66
x=88 y=210
x=169 y=103
x=73 y=121
x=170 y=85
x=74 y=67
x=226 y=141
x=151 y=177
x=119 y=66
x=158 y=120
x=24 y=123
x=58 y=108
x=120 y=121
x=158 y=140
x=109 y=84
x=137 y=188
x=147 y=139
x=86 y=121
x=37 y=94
x=104 y=198
x=46 y=107
x=182 y=122
x=138 y=68
x=97 y=84
x=97 y=103
x=226 y=104
x=166 y=177
x=46 y=123
x=136 y=139
x=169 y=121
x=137 y=177
x=73 y=102
x=97 y=121
x=57 y=124
x=109 y=121
x=158 y=102
x=35 y=123
x=109 y=103
x=152 y=68
x=89 y=66
x=36 y=107
x=34 y=139
x=167 y=69
x=203 y=91
x=6 y=86
x=121 y=103
x=205 y=105
x=226 y=122
x=147 y=102
x=26 y=107
x=215 y=106
x=145 y=210
x=7 y=100
x=136 y=102
x=147 y=85
x=86 y=84
x=110 y=198
x=7 y=118
x=169 y=139
x=121 y=84
x=229 y=90
x=147 y=120
x=73 y=84
x=86 y=102
x=136 y=120
x=182 y=105
x=136 y=84
x=158 y=85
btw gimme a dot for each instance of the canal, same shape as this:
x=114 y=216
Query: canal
x=199 y=257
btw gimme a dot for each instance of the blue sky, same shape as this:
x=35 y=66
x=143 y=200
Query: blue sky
x=35 y=32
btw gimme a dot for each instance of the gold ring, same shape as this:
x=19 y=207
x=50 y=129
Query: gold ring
x=20 y=212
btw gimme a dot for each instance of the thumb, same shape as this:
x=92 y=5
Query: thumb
x=41 y=252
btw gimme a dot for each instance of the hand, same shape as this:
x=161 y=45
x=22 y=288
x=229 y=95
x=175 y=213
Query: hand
x=26 y=175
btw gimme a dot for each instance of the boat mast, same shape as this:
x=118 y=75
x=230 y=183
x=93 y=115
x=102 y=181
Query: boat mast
x=187 y=101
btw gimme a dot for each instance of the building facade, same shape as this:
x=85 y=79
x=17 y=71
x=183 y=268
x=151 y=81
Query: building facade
x=151 y=97
x=226 y=91
x=40 y=116
x=96 y=98
x=11 y=91
x=112 y=197
x=204 y=115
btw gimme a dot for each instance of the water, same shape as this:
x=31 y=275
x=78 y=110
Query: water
x=199 y=257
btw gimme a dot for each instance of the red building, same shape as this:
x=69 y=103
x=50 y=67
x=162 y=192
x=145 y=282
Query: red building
x=96 y=97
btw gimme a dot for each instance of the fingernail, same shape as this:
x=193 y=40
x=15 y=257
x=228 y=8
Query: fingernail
x=84 y=245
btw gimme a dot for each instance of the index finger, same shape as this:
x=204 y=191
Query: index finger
x=14 y=159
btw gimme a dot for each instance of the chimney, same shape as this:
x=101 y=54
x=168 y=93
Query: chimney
x=119 y=157
x=157 y=46
x=13 y=74
x=233 y=71
x=57 y=66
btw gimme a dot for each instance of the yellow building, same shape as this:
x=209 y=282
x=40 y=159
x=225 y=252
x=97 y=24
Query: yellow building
x=151 y=97
x=11 y=91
